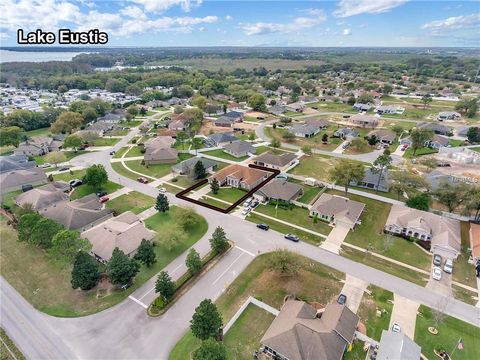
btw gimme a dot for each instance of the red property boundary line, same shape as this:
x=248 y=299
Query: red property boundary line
x=182 y=194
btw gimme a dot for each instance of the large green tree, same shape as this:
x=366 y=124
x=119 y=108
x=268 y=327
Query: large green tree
x=66 y=244
x=165 y=286
x=72 y=142
x=206 y=321
x=11 y=135
x=419 y=137
x=120 y=268
x=193 y=262
x=96 y=176
x=346 y=171
x=67 y=122
x=219 y=241
x=199 y=170
x=210 y=349
x=85 y=272
x=214 y=186
x=25 y=225
x=381 y=163
x=257 y=102
x=43 y=232
x=451 y=195
x=145 y=253
x=162 y=205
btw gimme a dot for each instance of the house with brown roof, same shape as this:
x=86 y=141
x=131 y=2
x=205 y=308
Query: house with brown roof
x=443 y=233
x=239 y=176
x=44 y=196
x=475 y=241
x=15 y=179
x=300 y=332
x=337 y=210
x=279 y=190
x=272 y=161
x=365 y=121
x=125 y=232
x=158 y=150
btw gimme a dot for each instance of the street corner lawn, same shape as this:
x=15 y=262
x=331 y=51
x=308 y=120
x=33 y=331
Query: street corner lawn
x=85 y=189
x=45 y=282
x=69 y=155
x=133 y=201
x=155 y=171
x=105 y=141
x=265 y=284
x=69 y=175
x=375 y=311
x=370 y=234
x=450 y=330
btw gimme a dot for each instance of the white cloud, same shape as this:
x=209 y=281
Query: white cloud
x=347 y=32
x=348 y=8
x=228 y=17
x=299 y=23
x=162 y=5
x=134 y=12
x=454 y=23
x=313 y=12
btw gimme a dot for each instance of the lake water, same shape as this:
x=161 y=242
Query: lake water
x=34 y=56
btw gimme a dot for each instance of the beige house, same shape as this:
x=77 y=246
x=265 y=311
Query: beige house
x=337 y=210
x=14 y=180
x=239 y=176
x=125 y=232
x=37 y=146
x=279 y=190
x=300 y=332
x=44 y=196
x=158 y=150
x=364 y=121
x=279 y=162
x=442 y=232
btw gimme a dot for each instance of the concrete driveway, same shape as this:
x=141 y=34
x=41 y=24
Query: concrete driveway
x=353 y=289
x=335 y=239
x=443 y=286
x=405 y=314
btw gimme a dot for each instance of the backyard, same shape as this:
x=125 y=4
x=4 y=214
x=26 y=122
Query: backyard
x=155 y=171
x=259 y=281
x=85 y=189
x=219 y=153
x=133 y=201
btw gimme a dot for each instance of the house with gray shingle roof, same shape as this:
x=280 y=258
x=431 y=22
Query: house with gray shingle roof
x=187 y=167
x=346 y=133
x=158 y=150
x=14 y=180
x=397 y=345
x=239 y=148
x=279 y=190
x=337 y=210
x=272 y=161
x=304 y=130
x=371 y=179
x=15 y=162
x=220 y=139
x=383 y=135
x=44 y=196
x=37 y=146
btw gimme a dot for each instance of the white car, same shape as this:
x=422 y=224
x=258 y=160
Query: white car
x=396 y=327
x=162 y=190
x=246 y=211
x=448 y=267
x=46 y=165
x=437 y=273
x=247 y=202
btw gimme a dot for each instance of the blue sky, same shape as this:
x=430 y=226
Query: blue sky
x=252 y=23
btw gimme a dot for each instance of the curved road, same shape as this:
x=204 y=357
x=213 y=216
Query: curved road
x=126 y=332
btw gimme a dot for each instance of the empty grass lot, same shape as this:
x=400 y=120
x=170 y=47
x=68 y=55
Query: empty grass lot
x=134 y=201
x=262 y=149
x=219 y=153
x=378 y=299
x=45 y=283
x=122 y=170
x=314 y=142
x=370 y=234
x=259 y=281
x=68 y=156
x=422 y=151
x=104 y=141
x=39 y=132
x=84 y=190
x=465 y=272
x=156 y=171
x=449 y=332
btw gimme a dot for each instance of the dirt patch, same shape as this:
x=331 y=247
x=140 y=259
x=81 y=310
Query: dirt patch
x=208 y=128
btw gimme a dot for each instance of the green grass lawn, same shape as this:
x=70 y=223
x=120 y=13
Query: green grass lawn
x=104 y=142
x=356 y=352
x=67 y=176
x=118 y=132
x=45 y=282
x=6 y=150
x=384 y=265
x=294 y=215
x=467 y=296
x=122 y=170
x=477 y=148
x=120 y=152
x=214 y=202
x=309 y=193
x=262 y=149
x=69 y=155
x=9 y=198
x=39 y=132
x=449 y=332
x=463 y=271
x=157 y=170
x=259 y=281
x=378 y=299
x=228 y=194
x=223 y=155
x=7 y=346
x=134 y=201
x=370 y=234
x=85 y=189
x=135 y=151
x=422 y=151
x=285 y=229
x=130 y=124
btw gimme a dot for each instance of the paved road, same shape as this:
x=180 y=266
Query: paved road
x=126 y=332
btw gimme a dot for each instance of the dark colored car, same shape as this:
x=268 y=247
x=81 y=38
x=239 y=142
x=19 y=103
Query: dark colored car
x=263 y=226
x=292 y=237
x=27 y=187
x=64 y=169
x=112 y=152
x=142 y=180
x=101 y=193
x=342 y=299
x=75 y=183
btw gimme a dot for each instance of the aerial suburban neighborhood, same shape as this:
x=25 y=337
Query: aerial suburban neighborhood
x=242 y=202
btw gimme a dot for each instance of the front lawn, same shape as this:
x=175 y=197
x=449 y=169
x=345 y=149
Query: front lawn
x=123 y=171
x=69 y=155
x=422 y=151
x=133 y=201
x=370 y=234
x=449 y=332
x=45 y=282
x=130 y=124
x=259 y=281
x=39 y=132
x=120 y=152
x=104 y=141
x=85 y=189
x=155 y=171
x=262 y=149
x=223 y=155
x=228 y=194
x=378 y=299
x=67 y=176
x=135 y=151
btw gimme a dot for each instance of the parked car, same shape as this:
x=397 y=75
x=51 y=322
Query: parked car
x=443 y=165
x=64 y=169
x=404 y=147
x=101 y=193
x=254 y=204
x=248 y=202
x=396 y=327
x=112 y=152
x=346 y=145
x=448 y=267
x=142 y=180
x=75 y=183
x=104 y=199
x=27 y=187
x=162 y=190
x=436 y=273
x=437 y=260
x=292 y=237
x=246 y=211
x=342 y=299
x=263 y=226
x=44 y=166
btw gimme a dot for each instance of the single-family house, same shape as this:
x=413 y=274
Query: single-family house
x=278 y=189
x=295 y=107
x=223 y=121
x=346 y=133
x=388 y=110
x=79 y=214
x=277 y=109
x=124 y=232
x=272 y=161
x=37 y=146
x=239 y=176
x=15 y=179
x=443 y=233
x=158 y=150
x=337 y=210
x=438 y=129
x=397 y=345
x=15 y=162
x=101 y=127
x=361 y=107
x=187 y=167
x=301 y=332
x=44 y=196
x=234 y=116
x=365 y=121
x=383 y=136
x=372 y=180
x=220 y=139
x=176 y=125
x=111 y=118
x=304 y=130
x=437 y=142
x=239 y=148
x=448 y=115
x=321 y=124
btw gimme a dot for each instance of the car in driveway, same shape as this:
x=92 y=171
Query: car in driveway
x=104 y=199
x=448 y=266
x=142 y=180
x=112 y=152
x=437 y=260
x=246 y=211
x=263 y=226
x=101 y=193
x=75 y=183
x=292 y=237
x=64 y=169
x=342 y=299
x=436 y=273
x=396 y=327
x=44 y=166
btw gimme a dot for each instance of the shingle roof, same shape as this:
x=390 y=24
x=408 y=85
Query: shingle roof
x=21 y=177
x=276 y=160
x=395 y=345
x=338 y=206
x=242 y=173
x=43 y=196
x=240 y=146
x=280 y=189
x=222 y=137
x=15 y=162
x=187 y=165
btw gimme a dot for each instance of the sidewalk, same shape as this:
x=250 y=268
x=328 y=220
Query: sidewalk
x=147 y=213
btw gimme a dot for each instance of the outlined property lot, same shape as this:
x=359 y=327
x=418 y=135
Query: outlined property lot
x=183 y=194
